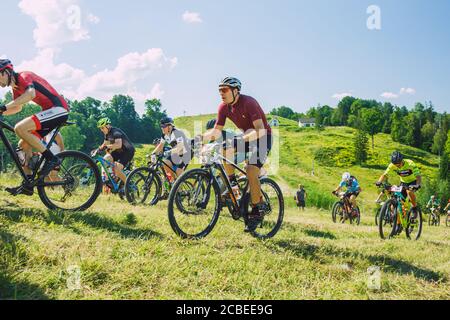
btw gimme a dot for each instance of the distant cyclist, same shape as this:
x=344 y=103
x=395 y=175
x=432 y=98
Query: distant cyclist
x=433 y=203
x=26 y=87
x=119 y=147
x=178 y=156
x=352 y=188
x=410 y=176
x=447 y=207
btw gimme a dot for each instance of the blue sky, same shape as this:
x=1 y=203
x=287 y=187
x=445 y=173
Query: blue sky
x=294 y=53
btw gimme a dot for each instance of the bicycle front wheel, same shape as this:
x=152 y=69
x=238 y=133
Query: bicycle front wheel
x=66 y=187
x=194 y=205
x=387 y=223
x=414 y=229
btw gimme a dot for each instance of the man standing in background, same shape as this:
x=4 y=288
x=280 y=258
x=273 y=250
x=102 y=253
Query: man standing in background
x=301 y=198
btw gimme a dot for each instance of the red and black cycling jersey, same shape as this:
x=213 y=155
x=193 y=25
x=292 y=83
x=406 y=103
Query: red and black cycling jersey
x=46 y=96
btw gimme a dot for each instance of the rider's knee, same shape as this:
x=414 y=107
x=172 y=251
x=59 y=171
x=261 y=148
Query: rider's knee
x=19 y=129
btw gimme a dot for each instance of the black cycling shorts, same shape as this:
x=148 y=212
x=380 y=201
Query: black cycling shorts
x=257 y=152
x=123 y=157
x=406 y=186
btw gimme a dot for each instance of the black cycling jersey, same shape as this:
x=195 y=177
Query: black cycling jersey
x=116 y=133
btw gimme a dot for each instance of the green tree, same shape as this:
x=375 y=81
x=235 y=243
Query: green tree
x=284 y=112
x=398 y=129
x=372 y=122
x=413 y=135
x=73 y=138
x=439 y=142
x=361 y=144
x=427 y=132
x=343 y=111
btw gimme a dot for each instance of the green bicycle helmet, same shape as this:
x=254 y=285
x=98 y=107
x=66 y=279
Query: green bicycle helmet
x=103 y=122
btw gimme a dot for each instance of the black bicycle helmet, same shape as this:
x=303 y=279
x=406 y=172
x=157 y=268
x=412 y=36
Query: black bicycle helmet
x=211 y=124
x=5 y=64
x=396 y=157
x=166 y=120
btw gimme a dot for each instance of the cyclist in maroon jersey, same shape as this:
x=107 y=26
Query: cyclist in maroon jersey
x=26 y=87
x=256 y=141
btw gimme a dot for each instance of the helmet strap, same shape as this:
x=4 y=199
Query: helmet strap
x=234 y=96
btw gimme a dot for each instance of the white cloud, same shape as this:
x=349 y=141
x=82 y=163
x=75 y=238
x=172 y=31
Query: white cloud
x=410 y=91
x=156 y=92
x=57 y=21
x=93 y=19
x=341 y=96
x=192 y=17
x=389 y=95
x=131 y=69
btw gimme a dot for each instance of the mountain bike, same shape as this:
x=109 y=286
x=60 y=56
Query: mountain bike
x=61 y=189
x=150 y=184
x=434 y=217
x=109 y=180
x=196 y=211
x=343 y=210
x=396 y=215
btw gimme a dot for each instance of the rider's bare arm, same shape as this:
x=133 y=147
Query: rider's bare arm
x=116 y=145
x=257 y=133
x=159 y=148
x=213 y=134
x=16 y=106
x=419 y=180
x=382 y=178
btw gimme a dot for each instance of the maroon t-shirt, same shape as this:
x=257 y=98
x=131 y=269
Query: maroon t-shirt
x=46 y=95
x=243 y=114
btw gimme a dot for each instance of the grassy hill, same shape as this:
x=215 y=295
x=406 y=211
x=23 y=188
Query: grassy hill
x=331 y=153
x=125 y=252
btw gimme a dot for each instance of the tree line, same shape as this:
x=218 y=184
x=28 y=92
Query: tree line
x=420 y=127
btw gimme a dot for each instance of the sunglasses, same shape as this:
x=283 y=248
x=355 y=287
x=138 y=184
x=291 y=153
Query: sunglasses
x=163 y=126
x=224 y=90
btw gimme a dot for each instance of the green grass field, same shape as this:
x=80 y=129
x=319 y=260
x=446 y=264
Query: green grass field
x=125 y=252
x=131 y=253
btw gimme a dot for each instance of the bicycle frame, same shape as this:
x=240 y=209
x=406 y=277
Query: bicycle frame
x=105 y=165
x=401 y=200
x=29 y=180
x=219 y=166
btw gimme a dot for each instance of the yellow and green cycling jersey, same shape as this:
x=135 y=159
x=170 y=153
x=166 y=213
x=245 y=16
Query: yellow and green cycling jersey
x=408 y=172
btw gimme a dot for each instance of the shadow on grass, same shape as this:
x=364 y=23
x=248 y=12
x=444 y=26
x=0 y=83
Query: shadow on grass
x=12 y=258
x=388 y=264
x=93 y=220
x=319 y=234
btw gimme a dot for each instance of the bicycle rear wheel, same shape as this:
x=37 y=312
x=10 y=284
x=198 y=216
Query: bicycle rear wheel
x=357 y=218
x=194 y=205
x=66 y=189
x=143 y=186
